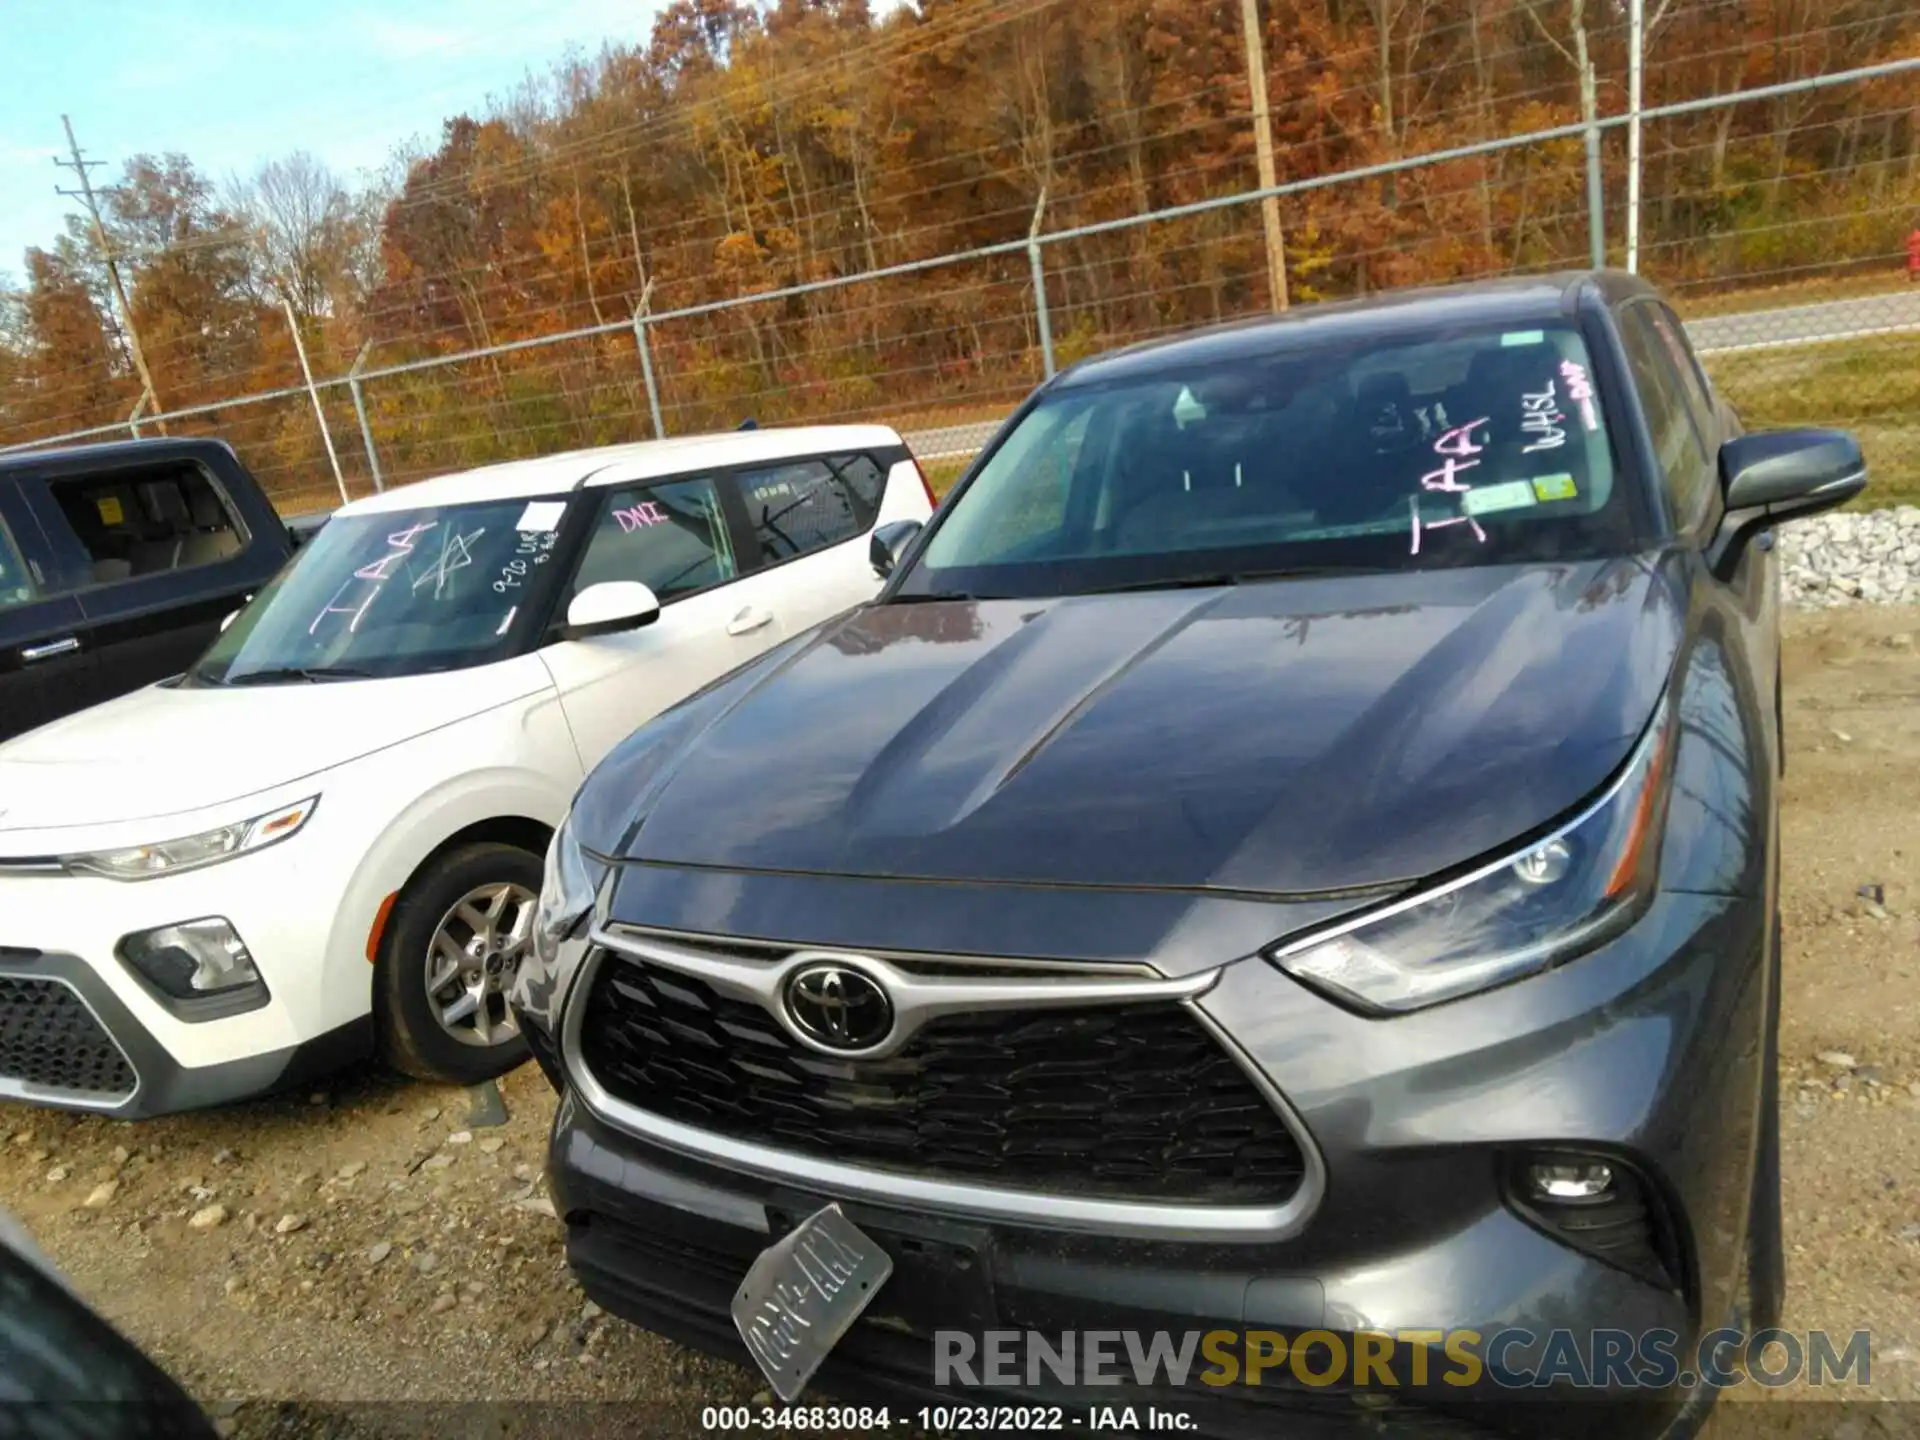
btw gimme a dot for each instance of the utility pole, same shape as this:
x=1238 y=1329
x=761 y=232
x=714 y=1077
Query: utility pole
x=1263 y=151
x=85 y=194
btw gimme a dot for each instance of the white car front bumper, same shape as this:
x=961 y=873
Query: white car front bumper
x=79 y=1029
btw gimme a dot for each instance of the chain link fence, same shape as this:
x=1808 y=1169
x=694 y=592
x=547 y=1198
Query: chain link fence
x=1790 y=337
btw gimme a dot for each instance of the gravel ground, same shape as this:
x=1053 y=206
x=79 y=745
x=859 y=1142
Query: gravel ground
x=370 y=1243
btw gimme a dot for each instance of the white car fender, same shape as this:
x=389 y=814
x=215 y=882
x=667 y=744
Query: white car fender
x=515 y=763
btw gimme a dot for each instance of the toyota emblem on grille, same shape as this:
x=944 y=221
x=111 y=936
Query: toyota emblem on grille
x=839 y=1007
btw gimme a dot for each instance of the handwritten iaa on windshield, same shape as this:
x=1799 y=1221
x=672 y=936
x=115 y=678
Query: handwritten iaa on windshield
x=1456 y=445
x=372 y=577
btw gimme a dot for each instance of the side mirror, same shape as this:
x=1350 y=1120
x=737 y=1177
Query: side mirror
x=1776 y=475
x=609 y=608
x=889 y=543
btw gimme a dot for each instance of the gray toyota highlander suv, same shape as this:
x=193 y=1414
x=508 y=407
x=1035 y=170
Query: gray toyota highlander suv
x=1291 y=854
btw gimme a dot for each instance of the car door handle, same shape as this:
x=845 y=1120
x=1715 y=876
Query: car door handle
x=749 y=619
x=67 y=646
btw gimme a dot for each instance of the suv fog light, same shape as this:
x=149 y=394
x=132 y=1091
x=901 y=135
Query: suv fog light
x=1604 y=1207
x=200 y=969
x=1571 y=1182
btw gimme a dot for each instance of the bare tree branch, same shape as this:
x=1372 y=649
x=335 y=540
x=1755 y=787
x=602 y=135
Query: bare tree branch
x=1548 y=35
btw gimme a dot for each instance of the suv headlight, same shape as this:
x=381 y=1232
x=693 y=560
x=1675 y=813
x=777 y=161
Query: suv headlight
x=1559 y=897
x=209 y=847
x=568 y=891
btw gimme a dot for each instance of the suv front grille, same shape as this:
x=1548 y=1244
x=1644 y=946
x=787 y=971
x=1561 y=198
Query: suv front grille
x=1124 y=1102
x=49 y=1038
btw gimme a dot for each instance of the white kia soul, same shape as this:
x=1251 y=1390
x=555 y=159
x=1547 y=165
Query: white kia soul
x=327 y=836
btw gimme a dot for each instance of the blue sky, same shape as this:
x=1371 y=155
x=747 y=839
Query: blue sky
x=232 y=84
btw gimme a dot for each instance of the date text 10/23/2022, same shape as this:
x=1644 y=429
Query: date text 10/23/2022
x=948 y=1419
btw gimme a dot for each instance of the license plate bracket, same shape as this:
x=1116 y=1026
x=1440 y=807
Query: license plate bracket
x=803 y=1293
x=943 y=1269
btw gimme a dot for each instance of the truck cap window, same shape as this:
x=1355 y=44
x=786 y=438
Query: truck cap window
x=396 y=592
x=1465 y=448
x=16 y=584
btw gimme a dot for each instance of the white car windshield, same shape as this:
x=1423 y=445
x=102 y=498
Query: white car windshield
x=395 y=592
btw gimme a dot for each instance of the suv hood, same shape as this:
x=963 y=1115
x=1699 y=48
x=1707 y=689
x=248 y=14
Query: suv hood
x=1276 y=738
x=167 y=751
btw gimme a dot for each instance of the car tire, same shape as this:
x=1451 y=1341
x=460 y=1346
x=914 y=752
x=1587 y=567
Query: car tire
x=446 y=962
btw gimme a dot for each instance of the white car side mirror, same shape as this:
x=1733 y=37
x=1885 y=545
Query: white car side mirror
x=610 y=607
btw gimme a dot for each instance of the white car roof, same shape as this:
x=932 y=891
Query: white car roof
x=618 y=464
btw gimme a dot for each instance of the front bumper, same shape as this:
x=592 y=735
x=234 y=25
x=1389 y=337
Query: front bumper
x=79 y=1031
x=665 y=1245
x=1647 y=1049
x=68 y=1042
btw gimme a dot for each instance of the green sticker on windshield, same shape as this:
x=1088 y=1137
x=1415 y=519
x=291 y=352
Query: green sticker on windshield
x=1485 y=499
x=1524 y=337
x=1555 y=487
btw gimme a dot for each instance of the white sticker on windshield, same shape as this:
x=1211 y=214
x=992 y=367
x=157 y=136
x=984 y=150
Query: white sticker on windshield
x=1186 y=408
x=1484 y=499
x=1524 y=337
x=541 y=515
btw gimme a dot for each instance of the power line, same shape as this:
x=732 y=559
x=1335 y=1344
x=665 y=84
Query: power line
x=80 y=165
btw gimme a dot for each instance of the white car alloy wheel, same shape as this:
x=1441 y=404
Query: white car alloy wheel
x=470 y=965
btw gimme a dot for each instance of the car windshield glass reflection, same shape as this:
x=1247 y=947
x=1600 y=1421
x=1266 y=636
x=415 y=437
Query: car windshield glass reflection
x=393 y=593
x=1467 y=448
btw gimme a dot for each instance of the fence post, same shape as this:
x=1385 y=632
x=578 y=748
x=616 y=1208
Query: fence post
x=1040 y=284
x=646 y=359
x=1636 y=65
x=326 y=435
x=133 y=420
x=1596 y=190
x=360 y=409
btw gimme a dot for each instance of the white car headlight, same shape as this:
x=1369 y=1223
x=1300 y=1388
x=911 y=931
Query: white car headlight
x=191 y=852
x=1523 y=913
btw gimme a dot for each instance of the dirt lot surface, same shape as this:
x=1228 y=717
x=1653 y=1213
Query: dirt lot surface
x=369 y=1243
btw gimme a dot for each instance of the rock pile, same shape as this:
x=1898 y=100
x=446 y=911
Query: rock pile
x=1852 y=557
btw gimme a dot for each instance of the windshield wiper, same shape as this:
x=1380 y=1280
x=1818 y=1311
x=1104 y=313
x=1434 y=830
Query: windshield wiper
x=1227 y=577
x=926 y=596
x=312 y=674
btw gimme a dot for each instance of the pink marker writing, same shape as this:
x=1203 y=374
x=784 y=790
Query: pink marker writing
x=1580 y=391
x=400 y=545
x=1456 y=444
x=638 y=517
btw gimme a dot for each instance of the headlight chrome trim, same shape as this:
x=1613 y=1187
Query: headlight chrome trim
x=1640 y=781
x=248 y=837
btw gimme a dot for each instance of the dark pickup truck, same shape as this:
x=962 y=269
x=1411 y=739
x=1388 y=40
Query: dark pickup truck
x=117 y=564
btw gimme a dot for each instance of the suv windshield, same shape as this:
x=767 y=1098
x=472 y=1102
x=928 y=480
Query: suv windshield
x=395 y=592
x=1471 y=447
